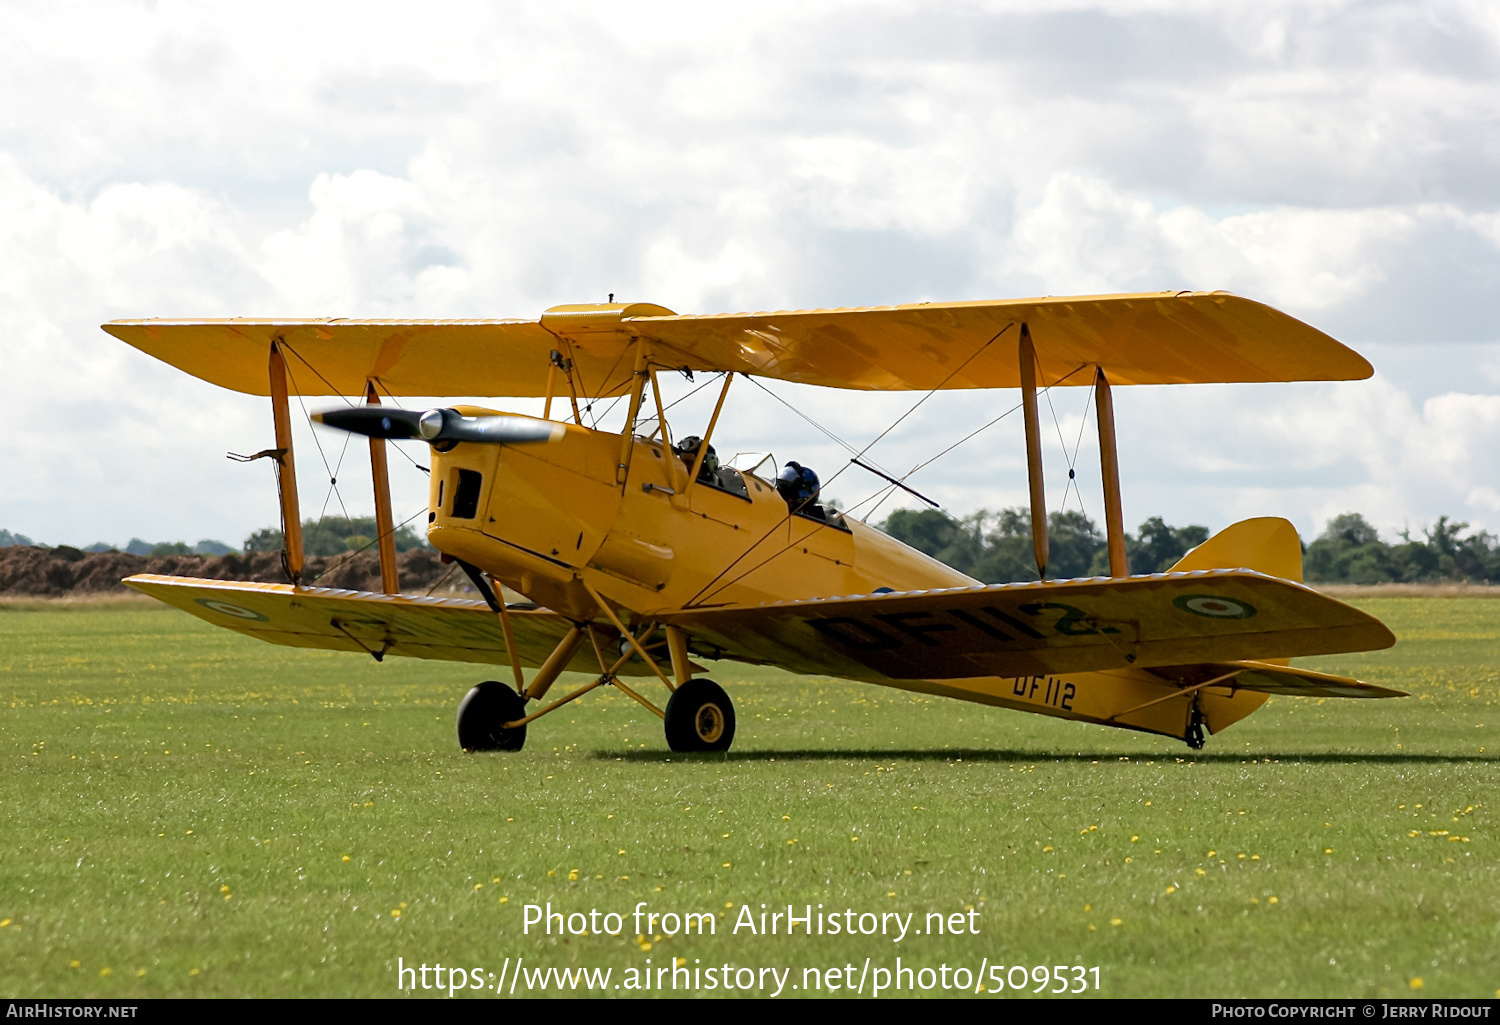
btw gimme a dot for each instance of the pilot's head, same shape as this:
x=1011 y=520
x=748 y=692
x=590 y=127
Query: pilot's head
x=687 y=450
x=797 y=483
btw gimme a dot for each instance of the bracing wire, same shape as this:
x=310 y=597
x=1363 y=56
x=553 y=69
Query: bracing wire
x=858 y=455
x=371 y=544
x=333 y=472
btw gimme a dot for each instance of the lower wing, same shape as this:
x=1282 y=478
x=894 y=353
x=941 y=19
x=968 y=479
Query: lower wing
x=1011 y=630
x=324 y=617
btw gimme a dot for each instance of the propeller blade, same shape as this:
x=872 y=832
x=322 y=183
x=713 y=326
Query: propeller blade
x=373 y=421
x=439 y=426
x=494 y=430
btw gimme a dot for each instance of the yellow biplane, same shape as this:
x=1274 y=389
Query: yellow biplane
x=638 y=554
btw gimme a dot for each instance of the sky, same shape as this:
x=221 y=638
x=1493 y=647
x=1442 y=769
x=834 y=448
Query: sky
x=1337 y=160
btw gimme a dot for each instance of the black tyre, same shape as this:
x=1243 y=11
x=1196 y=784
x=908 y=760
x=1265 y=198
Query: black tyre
x=700 y=717
x=482 y=715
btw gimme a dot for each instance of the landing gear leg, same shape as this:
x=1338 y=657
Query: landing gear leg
x=1196 y=735
x=482 y=716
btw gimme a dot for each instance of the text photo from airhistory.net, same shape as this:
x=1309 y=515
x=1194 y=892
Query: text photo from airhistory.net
x=983 y=500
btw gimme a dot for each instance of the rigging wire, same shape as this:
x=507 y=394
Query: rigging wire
x=858 y=455
x=371 y=544
x=333 y=475
x=1072 y=483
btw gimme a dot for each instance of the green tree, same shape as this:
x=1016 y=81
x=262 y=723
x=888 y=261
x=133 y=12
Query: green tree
x=170 y=548
x=1349 y=551
x=1157 y=545
x=334 y=535
x=956 y=543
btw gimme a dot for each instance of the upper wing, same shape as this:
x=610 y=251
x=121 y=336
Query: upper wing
x=337 y=357
x=1154 y=338
x=325 y=617
x=1165 y=619
x=1157 y=338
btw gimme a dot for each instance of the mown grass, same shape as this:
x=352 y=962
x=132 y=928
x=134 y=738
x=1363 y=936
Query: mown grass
x=187 y=812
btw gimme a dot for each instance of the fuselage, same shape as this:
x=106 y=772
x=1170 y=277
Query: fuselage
x=547 y=519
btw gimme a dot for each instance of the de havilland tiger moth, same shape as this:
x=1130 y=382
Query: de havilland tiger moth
x=637 y=554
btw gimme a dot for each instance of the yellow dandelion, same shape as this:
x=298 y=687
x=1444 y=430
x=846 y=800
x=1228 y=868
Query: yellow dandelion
x=478 y=886
x=854 y=839
x=1088 y=907
x=791 y=841
x=1273 y=900
x=103 y=972
x=726 y=864
x=729 y=903
x=1047 y=849
x=1212 y=853
x=223 y=889
x=1117 y=921
x=1135 y=839
x=1129 y=860
x=195 y=971
x=140 y=973
x=679 y=962
x=4 y=923
x=1171 y=889
x=346 y=857
x=622 y=850
x=1200 y=871
x=551 y=872
x=786 y=818
x=890 y=893
x=504 y=900
x=1092 y=929
x=572 y=875
x=75 y=964
x=1415 y=983
x=1327 y=850
x=395 y=912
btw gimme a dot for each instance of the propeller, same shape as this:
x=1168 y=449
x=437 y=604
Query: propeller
x=442 y=427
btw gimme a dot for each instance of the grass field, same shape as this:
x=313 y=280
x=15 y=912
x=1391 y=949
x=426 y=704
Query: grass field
x=186 y=812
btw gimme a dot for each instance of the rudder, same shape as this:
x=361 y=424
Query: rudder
x=1267 y=544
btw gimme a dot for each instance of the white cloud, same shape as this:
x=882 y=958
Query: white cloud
x=1337 y=160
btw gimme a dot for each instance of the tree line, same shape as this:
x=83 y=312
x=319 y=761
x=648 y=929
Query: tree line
x=995 y=547
x=334 y=535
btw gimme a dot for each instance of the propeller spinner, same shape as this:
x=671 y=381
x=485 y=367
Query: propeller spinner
x=439 y=426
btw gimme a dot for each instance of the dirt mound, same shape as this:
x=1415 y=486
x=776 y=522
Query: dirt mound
x=56 y=572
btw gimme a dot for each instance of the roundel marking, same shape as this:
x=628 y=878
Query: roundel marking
x=237 y=611
x=1213 y=606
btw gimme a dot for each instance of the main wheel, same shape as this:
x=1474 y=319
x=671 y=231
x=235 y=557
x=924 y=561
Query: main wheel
x=700 y=717
x=482 y=715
